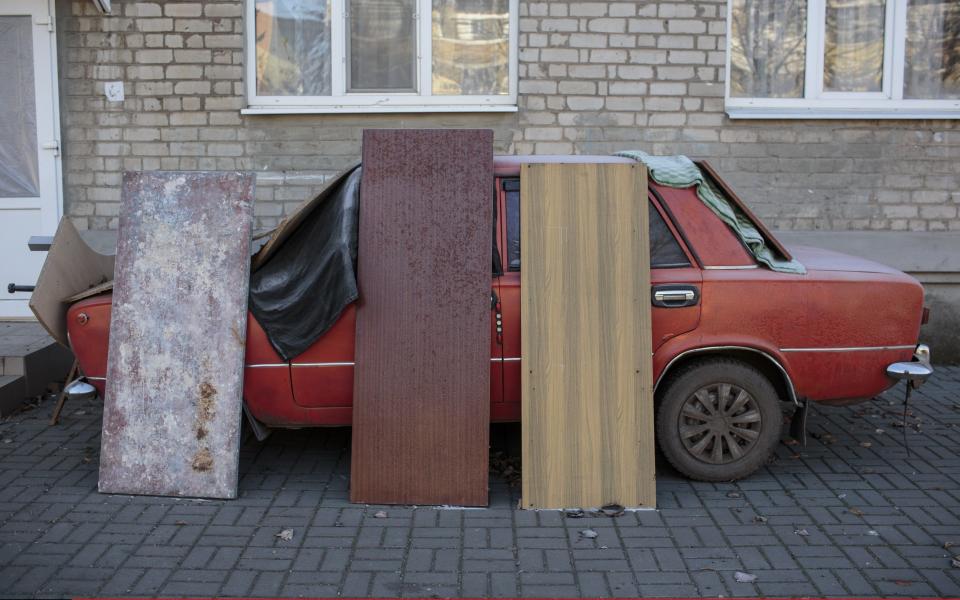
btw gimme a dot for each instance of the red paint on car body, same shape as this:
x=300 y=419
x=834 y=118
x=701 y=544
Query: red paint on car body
x=833 y=330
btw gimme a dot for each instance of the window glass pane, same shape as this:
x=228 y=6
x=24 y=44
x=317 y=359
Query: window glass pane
x=932 y=68
x=664 y=249
x=382 y=46
x=513 y=230
x=853 y=46
x=470 y=47
x=768 y=42
x=19 y=171
x=293 y=48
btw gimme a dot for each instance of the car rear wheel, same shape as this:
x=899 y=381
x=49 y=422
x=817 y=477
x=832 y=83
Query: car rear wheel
x=718 y=420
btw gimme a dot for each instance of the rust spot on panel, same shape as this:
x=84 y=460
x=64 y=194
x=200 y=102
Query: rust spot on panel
x=206 y=405
x=202 y=460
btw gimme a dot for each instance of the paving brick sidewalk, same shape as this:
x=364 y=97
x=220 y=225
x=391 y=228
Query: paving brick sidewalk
x=851 y=514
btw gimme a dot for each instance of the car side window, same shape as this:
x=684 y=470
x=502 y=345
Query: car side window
x=511 y=188
x=665 y=252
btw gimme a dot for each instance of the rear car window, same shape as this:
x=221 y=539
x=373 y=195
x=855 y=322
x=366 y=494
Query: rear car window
x=665 y=252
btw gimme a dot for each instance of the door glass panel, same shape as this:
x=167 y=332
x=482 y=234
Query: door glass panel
x=853 y=46
x=768 y=43
x=932 y=69
x=293 y=48
x=19 y=171
x=382 y=47
x=470 y=47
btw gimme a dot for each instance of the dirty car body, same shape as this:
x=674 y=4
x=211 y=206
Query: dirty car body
x=731 y=338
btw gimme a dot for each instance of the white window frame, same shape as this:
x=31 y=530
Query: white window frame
x=341 y=102
x=820 y=104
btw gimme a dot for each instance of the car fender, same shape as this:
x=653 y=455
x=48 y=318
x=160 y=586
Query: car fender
x=674 y=352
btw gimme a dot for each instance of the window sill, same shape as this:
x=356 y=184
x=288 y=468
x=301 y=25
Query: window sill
x=348 y=109
x=949 y=109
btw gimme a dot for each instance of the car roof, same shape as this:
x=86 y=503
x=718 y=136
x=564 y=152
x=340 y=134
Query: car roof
x=510 y=165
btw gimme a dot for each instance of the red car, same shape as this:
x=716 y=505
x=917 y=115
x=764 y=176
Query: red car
x=732 y=340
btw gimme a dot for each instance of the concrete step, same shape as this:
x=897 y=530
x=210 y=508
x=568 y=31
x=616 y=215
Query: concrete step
x=29 y=361
x=13 y=391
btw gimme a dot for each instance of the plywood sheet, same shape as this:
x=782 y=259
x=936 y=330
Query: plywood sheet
x=177 y=335
x=587 y=413
x=421 y=405
x=70 y=269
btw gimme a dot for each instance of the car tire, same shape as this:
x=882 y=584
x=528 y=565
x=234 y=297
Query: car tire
x=691 y=420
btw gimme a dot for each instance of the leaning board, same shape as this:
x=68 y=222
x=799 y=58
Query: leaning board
x=587 y=410
x=171 y=416
x=421 y=401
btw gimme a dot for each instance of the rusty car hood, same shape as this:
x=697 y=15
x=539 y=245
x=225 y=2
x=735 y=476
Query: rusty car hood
x=818 y=259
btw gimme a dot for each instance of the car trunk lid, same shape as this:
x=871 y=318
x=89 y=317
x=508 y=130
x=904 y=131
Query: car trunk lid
x=818 y=259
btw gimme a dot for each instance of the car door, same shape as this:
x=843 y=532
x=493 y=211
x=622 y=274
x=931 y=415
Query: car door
x=675 y=282
x=672 y=274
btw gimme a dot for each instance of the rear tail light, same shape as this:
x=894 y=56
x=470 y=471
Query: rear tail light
x=926 y=316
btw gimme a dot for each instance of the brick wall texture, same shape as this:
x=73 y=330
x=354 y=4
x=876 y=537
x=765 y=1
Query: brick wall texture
x=595 y=77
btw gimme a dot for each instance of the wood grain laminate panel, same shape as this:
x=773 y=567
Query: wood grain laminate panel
x=421 y=408
x=587 y=380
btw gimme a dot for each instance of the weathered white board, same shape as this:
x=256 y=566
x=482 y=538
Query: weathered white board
x=171 y=421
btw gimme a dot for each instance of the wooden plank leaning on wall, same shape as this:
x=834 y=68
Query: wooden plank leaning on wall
x=587 y=380
x=421 y=407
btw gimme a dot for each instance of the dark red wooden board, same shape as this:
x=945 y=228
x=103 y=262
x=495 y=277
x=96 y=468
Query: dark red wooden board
x=421 y=404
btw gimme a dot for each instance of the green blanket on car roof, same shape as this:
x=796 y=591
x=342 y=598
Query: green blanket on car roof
x=681 y=172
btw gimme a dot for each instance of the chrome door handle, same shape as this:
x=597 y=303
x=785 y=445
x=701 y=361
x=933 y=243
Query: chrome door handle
x=675 y=296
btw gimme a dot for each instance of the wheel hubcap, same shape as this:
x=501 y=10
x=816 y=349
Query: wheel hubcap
x=720 y=423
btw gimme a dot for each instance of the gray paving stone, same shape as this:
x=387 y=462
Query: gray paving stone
x=58 y=536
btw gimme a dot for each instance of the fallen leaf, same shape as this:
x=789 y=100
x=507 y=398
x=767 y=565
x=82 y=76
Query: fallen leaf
x=759 y=519
x=956 y=561
x=286 y=535
x=903 y=582
x=742 y=577
x=576 y=513
x=947 y=545
x=733 y=494
x=589 y=534
x=856 y=511
x=841 y=496
x=380 y=514
x=612 y=510
x=802 y=532
x=865 y=444
x=181 y=523
x=873 y=533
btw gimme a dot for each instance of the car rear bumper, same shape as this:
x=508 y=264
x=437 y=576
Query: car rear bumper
x=916 y=372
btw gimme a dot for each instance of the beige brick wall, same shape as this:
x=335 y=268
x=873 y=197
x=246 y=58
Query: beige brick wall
x=595 y=77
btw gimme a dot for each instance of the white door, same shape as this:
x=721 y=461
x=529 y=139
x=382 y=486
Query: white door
x=29 y=148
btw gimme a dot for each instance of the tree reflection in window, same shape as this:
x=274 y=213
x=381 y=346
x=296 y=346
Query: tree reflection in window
x=768 y=48
x=293 y=47
x=932 y=62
